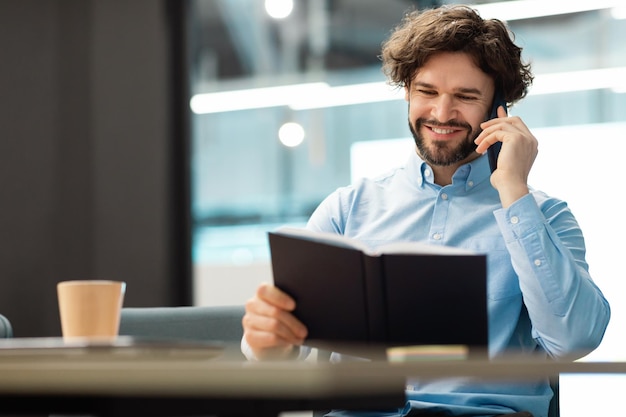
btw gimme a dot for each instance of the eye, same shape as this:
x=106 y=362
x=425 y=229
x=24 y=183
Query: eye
x=467 y=98
x=427 y=92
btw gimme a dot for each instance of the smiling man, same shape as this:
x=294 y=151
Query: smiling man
x=445 y=110
x=541 y=298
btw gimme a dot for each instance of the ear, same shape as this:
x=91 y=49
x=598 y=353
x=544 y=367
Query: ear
x=406 y=93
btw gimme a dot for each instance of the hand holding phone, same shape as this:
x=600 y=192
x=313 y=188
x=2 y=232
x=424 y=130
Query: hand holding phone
x=494 y=150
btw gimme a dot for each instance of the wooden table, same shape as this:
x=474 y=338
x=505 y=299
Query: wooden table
x=174 y=383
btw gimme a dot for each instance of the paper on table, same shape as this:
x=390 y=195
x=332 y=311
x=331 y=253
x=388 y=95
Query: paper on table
x=427 y=353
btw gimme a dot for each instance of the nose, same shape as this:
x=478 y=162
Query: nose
x=443 y=108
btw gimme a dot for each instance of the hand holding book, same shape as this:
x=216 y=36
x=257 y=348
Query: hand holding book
x=399 y=295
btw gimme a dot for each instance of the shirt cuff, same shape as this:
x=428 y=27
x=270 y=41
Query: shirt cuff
x=520 y=218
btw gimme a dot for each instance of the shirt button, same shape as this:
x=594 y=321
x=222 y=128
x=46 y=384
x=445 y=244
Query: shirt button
x=427 y=172
x=444 y=196
x=470 y=183
x=437 y=236
x=514 y=219
x=537 y=262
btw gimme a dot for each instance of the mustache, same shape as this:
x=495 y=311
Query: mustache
x=437 y=123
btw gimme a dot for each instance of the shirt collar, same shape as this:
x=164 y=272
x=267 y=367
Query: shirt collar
x=471 y=174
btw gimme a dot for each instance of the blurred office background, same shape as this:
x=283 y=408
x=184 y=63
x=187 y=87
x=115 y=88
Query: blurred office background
x=288 y=103
x=157 y=141
x=257 y=70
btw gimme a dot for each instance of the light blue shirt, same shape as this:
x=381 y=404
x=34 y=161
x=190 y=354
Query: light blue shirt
x=541 y=298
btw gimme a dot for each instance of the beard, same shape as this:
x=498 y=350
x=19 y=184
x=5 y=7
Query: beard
x=441 y=152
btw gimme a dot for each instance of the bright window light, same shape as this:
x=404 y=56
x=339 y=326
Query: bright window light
x=595 y=79
x=619 y=12
x=278 y=9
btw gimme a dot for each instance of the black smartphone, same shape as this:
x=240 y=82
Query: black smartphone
x=494 y=150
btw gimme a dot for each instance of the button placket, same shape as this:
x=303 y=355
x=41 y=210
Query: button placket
x=440 y=216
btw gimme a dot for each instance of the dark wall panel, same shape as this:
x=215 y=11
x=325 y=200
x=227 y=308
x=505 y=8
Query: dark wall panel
x=85 y=155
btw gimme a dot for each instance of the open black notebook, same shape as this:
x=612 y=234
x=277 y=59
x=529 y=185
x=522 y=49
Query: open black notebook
x=404 y=294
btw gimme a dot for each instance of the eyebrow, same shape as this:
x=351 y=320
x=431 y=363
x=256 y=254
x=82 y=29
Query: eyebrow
x=464 y=90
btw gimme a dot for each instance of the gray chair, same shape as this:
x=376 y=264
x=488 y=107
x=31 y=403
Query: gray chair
x=6 y=331
x=219 y=324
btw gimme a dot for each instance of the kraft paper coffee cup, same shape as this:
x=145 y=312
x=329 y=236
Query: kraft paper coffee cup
x=90 y=308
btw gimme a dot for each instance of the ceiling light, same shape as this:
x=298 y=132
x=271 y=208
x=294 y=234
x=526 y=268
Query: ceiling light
x=278 y=9
x=254 y=98
x=321 y=95
x=528 y=9
x=348 y=95
x=291 y=134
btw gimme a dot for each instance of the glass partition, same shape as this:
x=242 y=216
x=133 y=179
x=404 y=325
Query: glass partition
x=281 y=99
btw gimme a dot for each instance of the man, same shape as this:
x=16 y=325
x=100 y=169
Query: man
x=541 y=299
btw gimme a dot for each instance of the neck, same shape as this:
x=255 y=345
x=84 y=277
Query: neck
x=443 y=173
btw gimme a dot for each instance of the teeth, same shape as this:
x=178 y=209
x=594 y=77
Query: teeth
x=442 y=131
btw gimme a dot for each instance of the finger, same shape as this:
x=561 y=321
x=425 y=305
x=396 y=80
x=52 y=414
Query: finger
x=493 y=122
x=275 y=296
x=264 y=345
x=285 y=327
x=503 y=129
x=503 y=117
x=258 y=339
x=268 y=331
x=271 y=318
x=264 y=316
x=489 y=136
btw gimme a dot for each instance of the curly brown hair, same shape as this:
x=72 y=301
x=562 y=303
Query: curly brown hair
x=458 y=28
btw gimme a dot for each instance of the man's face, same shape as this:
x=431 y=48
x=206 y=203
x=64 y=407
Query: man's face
x=448 y=99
